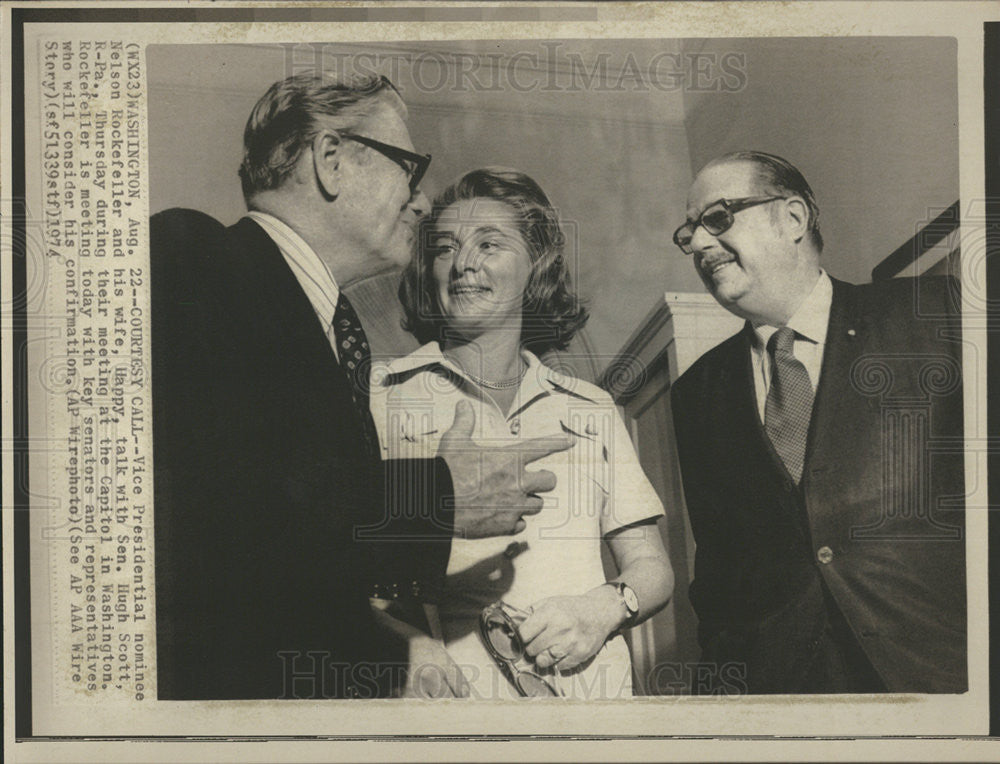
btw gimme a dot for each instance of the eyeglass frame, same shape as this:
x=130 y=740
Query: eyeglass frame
x=398 y=155
x=731 y=206
x=506 y=665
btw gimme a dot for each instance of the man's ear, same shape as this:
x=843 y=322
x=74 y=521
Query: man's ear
x=327 y=150
x=797 y=217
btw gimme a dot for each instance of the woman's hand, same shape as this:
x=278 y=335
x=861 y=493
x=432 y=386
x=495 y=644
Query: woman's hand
x=567 y=631
x=432 y=673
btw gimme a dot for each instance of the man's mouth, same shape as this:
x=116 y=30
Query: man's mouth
x=710 y=269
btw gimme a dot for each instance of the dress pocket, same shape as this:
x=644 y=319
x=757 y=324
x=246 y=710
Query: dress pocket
x=574 y=508
x=588 y=459
x=410 y=434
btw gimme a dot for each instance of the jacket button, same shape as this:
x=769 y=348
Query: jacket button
x=825 y=555
x=515 y=427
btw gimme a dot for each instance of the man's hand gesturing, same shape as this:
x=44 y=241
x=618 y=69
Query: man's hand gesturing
x=493 y=490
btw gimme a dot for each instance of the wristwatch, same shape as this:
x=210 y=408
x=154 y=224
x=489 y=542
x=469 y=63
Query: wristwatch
x=629 y=600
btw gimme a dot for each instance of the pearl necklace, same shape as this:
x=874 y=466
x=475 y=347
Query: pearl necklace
x=503 y=384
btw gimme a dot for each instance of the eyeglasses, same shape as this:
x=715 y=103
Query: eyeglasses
x=498 y=628
x=413 y=164
x=717 y=218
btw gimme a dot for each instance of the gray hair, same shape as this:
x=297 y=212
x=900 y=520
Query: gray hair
x=290 y=114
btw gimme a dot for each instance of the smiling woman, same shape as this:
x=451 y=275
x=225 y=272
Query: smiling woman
x=489 y=288
x=506 y=210
x=481 y=266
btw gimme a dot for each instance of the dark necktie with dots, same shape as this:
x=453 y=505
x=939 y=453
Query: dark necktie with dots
x=355 y=360
x=789 y=402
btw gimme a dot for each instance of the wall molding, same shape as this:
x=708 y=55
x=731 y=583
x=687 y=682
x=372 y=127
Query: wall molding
x=678 y=329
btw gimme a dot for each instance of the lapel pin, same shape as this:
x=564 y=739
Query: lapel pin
x=851 y=333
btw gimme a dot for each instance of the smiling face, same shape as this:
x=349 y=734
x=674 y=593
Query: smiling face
x=481 y=266
x=751 y=268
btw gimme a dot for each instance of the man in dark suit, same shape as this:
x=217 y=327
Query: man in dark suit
x=275 y=517
x=821 y=454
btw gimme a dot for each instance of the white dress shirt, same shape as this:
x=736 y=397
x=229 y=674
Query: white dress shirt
x=810 y=324
x=312 y=274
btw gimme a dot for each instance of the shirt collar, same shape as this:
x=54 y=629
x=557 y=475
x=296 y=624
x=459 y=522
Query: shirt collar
x=316 y=280
x=812 y=318
x=538 y=379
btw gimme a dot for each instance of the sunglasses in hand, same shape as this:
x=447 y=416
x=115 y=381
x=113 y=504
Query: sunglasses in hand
x=498 y=624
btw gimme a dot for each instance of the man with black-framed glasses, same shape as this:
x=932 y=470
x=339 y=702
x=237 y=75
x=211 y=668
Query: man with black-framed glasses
x=829 y=526
x=276 y=519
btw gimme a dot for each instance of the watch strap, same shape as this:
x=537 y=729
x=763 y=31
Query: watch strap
x=630 y=612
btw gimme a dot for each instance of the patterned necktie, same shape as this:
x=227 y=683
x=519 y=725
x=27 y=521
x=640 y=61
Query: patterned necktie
x=789 y=402
x=355 y=360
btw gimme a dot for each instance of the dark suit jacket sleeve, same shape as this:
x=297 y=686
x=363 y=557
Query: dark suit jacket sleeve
x=420 y=520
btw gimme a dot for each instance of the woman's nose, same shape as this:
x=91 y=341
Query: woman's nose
x=466 y=259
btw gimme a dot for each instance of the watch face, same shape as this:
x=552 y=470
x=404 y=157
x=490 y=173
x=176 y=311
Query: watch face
x=631 y=601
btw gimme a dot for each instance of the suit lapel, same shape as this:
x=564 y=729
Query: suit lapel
x=742 y=370
x=736 y=423
x=282 y=310
x=845 y=340
x=284 y=322
x=739 y=393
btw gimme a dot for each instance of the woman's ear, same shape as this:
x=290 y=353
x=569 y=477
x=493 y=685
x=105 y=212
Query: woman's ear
x=327 y=148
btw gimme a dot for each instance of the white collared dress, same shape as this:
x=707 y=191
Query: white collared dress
x=600 y=487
